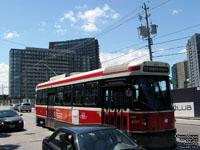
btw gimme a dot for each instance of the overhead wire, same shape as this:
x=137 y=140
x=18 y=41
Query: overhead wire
x=177 y=31
x=146 y=46
x=137 y=58
x=124 y=54
x=168 y=49
x=156 y=52
x=171 y=54
x=13 y=42
x=129 y=46
x=119 y=22
x=160 y=5
x=172 y=40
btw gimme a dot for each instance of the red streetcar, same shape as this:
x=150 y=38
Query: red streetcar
x=134 y=98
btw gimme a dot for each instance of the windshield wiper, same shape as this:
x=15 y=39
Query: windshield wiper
x=150 y=107
x=146 y=105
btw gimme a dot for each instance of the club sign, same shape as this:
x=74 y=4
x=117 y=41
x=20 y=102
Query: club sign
x=185 y=109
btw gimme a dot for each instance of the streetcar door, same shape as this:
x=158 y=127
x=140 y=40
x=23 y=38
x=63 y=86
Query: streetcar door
x=50 y=110
x=114 y=107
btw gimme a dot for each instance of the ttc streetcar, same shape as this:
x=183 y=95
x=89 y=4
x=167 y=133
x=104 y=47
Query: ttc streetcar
x=134 y=98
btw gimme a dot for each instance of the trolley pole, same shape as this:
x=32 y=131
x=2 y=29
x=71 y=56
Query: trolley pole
x=148 y=32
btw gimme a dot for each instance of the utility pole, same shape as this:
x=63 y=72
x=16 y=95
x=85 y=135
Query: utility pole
x=146 y=31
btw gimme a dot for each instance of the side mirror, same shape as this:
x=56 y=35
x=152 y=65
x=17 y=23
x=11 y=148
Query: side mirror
x=46 y=139
x=21 y=114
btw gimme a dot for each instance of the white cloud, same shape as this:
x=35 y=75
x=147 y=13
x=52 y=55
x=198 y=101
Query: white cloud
x=182 y=51
x=89 y=27
x=11 y=35
x=69 y=16
x=81 y=7
x=4 y=78
x=115 y=16
x=176 y=11
x=57 y=26
x=86 y=19
x=132 y=57
x=61 y=30
x=90 y=17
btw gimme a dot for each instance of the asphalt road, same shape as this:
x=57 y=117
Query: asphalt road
x=187 y=136
x=31 y=137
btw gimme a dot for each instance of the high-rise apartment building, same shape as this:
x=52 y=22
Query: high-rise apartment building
x=193 y=54
x=174 y=77
x=30 y=66
x=86 y=46
x=180 y=75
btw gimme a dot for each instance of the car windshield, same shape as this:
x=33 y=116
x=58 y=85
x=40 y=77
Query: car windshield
x=8 y=113
x=109 y=139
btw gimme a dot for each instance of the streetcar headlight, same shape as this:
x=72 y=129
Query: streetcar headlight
x=145 y=122
x=166 y=121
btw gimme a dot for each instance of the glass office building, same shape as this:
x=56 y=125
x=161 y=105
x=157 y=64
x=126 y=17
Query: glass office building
x=86 y=46
x=30 y=66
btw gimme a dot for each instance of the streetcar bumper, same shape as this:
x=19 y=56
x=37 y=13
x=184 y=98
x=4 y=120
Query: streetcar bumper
x=156 y=139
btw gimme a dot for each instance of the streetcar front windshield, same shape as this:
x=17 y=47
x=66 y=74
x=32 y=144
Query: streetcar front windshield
x=151 y=93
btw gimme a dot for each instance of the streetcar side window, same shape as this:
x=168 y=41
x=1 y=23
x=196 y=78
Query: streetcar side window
x=59 y=96
x=39 y=97
x=59 y=100
x=51 y=99
x=67 y=95
x=44 y=97
x=78 y=94
x=91 y=93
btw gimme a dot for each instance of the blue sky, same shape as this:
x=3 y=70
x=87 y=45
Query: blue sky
x=34 y=23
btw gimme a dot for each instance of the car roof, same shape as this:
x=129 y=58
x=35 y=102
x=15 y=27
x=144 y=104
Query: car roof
x=7 y=110
x=84 y=128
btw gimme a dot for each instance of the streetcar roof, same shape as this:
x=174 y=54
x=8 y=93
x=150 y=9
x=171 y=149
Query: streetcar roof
x=124 y=69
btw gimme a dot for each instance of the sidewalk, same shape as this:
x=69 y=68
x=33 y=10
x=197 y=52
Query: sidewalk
x=4 y=107
x=188 y=121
